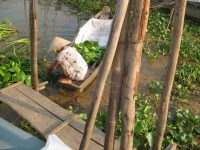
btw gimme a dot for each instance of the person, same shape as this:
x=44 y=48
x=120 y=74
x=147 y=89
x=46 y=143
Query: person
x=72 y=64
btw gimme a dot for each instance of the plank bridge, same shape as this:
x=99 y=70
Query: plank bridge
x=49 y=118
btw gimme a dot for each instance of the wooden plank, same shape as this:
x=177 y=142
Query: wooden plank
x=11 y=86
x=47 y=104
x=71 y=137
x=90 y=79
x=79 y=125
x=60 y=127
x=35 y=108
x=97 y=135
x=38 y=117
x=164 y=4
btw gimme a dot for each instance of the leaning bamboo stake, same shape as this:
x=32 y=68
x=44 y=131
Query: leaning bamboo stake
x=33 y=24
x=116 y=86
x=132 y=70
x=177 y=30
x=105 y=69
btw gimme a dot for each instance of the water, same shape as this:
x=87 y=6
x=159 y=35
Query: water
x=58 y=20
x=54 y=19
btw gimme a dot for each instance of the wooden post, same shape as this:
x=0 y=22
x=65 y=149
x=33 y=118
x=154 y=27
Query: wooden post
x=132 y=70
x=33 y=24
x=105 y=69
x=116 y=86
x=177 y=30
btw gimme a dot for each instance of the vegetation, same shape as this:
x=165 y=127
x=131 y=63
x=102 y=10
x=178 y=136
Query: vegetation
x=91 y=51
x=14 y=65
x=183 y=127
x=183 y=124
x=187 y=79
x=88 y=7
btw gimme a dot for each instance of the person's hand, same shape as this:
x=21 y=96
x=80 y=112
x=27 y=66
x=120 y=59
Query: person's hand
x=54 y=66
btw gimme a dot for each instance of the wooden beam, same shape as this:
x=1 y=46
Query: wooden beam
x=33 y=24
x=132 y=71
x=105 y=69
x=177 y=30
x=116 y=86
x=165 y=4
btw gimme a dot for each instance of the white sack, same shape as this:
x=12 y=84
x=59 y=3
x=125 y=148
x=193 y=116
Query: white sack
x=54 y=143
x=96 y=30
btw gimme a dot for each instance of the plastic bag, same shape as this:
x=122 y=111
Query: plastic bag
x=54 y=143
x=96 y=30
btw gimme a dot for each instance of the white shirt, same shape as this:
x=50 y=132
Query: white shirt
x=73 y=63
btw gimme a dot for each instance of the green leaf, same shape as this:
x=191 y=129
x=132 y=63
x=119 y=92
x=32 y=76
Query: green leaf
x=83 y=116
x=136 y=143
x=28 y=80
x=21 y=76
x=149 y=137
x=7 y=77
x=138 y=127
x=2 y=73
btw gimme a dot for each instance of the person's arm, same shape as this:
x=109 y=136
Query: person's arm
x=54 y=65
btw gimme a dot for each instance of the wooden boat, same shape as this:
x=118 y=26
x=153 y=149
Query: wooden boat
x=93 y=71
x=193 y=9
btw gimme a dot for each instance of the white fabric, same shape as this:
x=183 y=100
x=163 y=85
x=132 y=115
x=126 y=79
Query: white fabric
x=54 y=143
x=96 y=30
x=73 y=63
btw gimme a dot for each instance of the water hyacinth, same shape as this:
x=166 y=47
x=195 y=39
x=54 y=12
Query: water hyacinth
x=6 y=29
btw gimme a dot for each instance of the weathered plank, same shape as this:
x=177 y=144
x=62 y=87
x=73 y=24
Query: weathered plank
x=47 y=117
x=97 y=135
x=44 y=102
x=72 y=137
x=38 y=117
x=79 y=125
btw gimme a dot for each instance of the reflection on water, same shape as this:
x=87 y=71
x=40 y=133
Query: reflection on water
x=55 y=19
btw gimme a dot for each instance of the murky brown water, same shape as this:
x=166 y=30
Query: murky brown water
x=54 y=19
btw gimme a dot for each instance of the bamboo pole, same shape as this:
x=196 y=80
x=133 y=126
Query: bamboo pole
x=116 y=86
x=33 y=24
x=177 y=30
x=132 y=70
x=122 y=6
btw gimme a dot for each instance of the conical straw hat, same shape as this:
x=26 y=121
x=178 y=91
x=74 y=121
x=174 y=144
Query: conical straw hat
x=58 y=42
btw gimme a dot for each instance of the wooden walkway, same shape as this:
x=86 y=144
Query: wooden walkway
x=49 y=118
